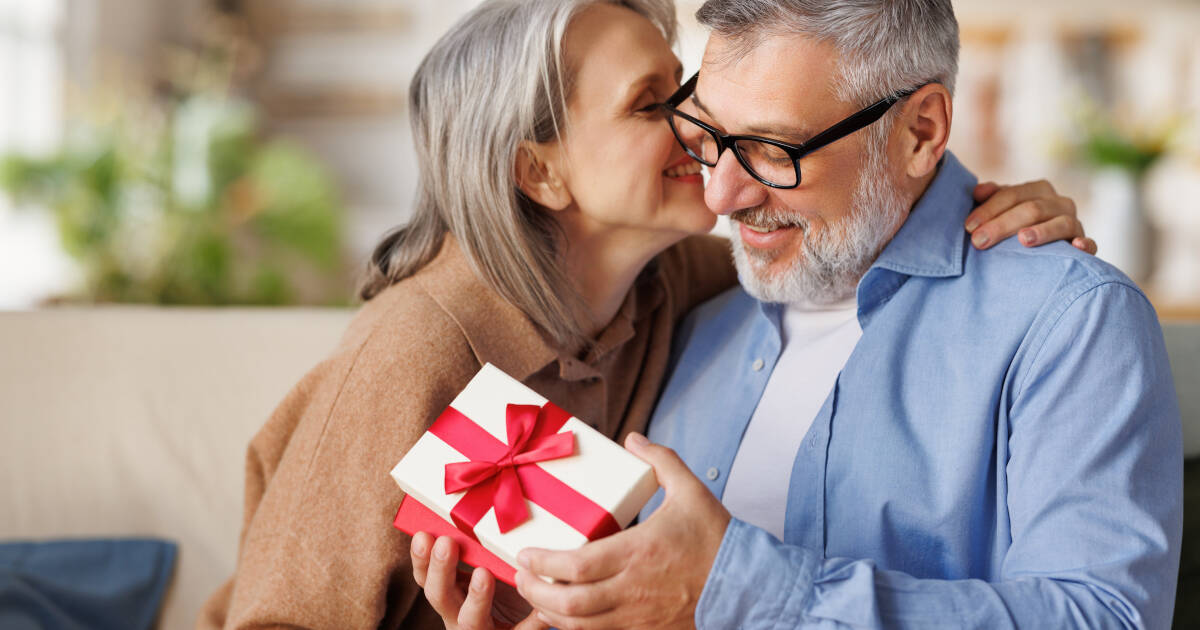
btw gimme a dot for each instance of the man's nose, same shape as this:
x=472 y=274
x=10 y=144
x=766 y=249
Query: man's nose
x=731 y=188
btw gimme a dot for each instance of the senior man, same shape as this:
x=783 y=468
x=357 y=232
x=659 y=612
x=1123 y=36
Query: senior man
x=884 y=427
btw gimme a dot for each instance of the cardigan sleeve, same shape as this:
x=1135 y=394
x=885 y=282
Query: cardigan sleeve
x=318 y=549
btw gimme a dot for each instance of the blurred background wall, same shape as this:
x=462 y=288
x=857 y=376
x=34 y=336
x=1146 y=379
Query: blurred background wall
x=1098 y=96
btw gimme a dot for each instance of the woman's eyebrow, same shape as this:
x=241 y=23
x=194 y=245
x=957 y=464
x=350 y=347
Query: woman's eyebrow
x=637 y=85
x=643 y=81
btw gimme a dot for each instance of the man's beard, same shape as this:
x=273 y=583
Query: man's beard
x=830 y=264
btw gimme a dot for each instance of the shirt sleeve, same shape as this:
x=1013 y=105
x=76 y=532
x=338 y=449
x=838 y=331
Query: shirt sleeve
x=1094 y=498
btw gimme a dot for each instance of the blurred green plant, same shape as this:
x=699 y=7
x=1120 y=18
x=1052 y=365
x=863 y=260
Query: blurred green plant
x=178 y=199
x=1107 y=140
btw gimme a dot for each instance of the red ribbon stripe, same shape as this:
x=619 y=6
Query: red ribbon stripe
x=493 y=465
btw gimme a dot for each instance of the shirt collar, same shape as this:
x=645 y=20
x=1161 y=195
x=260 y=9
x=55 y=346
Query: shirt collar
x=932 y=241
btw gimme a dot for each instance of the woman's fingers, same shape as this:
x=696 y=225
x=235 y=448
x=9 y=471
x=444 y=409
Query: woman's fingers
x=1086 y=244
x=1060 y=228
x=476 y=611
x=985 y=190
x=997 y=200
x=441 y=588
x=419 y=550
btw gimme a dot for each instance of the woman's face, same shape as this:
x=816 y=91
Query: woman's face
x=626 y=174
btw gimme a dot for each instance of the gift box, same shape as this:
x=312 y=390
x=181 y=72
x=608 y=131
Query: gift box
x=502 y=469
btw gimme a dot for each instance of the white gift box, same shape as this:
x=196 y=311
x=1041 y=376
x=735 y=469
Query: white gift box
x=599 y=469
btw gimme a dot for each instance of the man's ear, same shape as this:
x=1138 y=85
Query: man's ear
x=537 y=176
x=926 y=128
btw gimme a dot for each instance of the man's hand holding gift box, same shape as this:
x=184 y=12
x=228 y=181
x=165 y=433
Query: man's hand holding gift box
x=503 y=469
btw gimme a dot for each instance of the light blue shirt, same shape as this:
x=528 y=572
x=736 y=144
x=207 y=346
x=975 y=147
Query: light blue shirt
x=1002 y=449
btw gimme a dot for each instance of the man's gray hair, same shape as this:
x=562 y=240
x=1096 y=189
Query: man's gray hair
x=884 y=45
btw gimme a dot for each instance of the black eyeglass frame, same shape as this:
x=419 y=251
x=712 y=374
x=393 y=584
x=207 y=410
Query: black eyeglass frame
x=839 y=130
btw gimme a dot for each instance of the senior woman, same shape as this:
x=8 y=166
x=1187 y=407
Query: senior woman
x=550 y=237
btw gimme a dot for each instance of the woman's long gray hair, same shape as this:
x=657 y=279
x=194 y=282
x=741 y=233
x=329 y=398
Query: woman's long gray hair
x=495 y=80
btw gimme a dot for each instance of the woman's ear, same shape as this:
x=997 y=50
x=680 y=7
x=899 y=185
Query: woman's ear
x=538 y=177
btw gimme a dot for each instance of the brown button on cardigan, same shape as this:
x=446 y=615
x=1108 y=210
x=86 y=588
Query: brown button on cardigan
x=318 y=549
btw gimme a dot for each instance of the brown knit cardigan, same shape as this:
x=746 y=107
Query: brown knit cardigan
x=318 y=549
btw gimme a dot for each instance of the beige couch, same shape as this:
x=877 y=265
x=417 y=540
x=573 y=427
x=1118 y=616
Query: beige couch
x=134 y=421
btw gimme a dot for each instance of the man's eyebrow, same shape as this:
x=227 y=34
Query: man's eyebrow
x=791 y=136
x=698 y=104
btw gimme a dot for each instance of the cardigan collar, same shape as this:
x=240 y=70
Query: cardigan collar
x=501 y=334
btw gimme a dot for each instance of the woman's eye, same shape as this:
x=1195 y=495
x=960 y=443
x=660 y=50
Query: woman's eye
x=648 y=109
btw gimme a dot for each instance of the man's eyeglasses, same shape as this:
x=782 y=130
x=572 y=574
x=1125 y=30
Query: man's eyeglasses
x=772 y=162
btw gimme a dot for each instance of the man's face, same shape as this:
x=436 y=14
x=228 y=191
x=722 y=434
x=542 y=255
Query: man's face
x=813 y=242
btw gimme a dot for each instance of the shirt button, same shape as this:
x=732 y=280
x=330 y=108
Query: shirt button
x=712 y=474
x=757 y=365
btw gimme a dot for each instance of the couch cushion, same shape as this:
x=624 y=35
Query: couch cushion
x=129 y=421
x=83 y=584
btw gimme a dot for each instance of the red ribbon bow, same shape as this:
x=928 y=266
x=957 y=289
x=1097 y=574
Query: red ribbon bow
x=504 y=476
x=495 y=482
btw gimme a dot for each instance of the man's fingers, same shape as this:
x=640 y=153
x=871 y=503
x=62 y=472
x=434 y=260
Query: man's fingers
x=592 y=562
x=612 y=620
x=672 y=473
x=571 y=600
x=441 y=588
x=419 y=550
x=532 y=622
x=476 y=611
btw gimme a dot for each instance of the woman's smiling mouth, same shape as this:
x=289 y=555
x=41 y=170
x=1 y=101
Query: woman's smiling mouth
x=686 y=170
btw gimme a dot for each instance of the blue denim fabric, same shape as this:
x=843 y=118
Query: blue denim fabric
x=1002 y=449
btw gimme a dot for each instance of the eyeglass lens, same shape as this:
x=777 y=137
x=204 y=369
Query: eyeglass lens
x=765 y=161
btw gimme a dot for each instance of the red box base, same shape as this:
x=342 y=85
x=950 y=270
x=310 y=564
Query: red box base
x=413 y=517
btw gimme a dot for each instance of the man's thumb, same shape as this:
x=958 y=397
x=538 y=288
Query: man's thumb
x=531 y=623
x=668 y=467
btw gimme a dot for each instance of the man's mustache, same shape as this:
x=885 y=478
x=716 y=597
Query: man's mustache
x=767 y=219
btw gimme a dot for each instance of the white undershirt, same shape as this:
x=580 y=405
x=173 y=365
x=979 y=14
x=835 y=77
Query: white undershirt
x=817 y=341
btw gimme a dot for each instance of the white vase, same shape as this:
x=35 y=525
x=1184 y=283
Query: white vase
x=1173 y=206
x=1118 y=222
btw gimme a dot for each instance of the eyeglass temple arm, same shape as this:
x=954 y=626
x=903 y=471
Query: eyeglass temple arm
x=683 y=92
x=856 y=121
